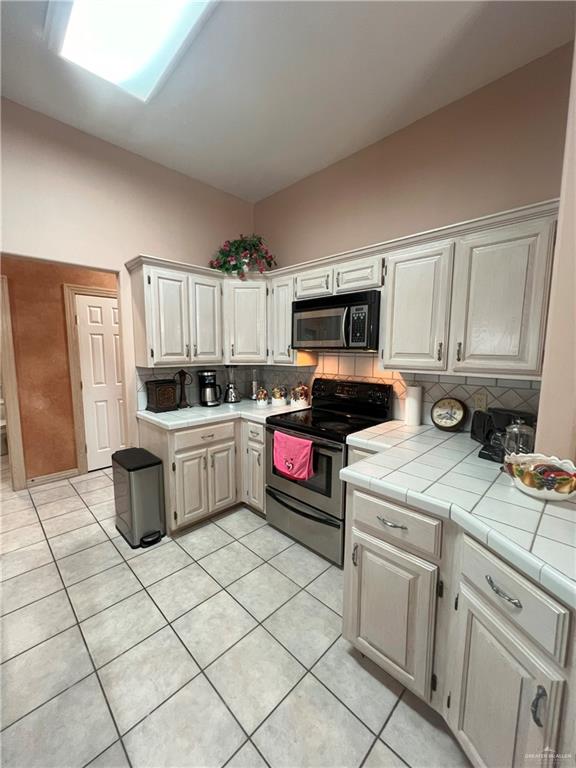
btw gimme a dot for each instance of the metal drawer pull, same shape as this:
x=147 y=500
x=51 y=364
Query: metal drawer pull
x=459 y=351
x=253 y=434
x=355 y=554
x=500 y=592
x=540 y=694
x=195 y=350
x=208 y=437
x=391 y=525
x=187 y=350
x=439 y=353
x=258 y=459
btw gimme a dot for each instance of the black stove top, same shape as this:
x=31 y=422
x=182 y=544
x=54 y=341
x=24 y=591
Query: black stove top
x=339 y=408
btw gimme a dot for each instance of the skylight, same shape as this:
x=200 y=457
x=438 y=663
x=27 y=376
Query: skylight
x=130 y=43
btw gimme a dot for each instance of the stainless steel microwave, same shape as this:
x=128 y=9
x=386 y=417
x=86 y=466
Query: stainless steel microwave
x=350 y=321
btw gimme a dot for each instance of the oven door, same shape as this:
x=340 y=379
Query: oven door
x=320 y=328
x=324 y=489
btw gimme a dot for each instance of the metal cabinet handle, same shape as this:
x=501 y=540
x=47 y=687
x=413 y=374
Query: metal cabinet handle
x=195 y=350
x=288 y=350
x=258 y=459
x=187 y=350
x=355 y=554
x=208 y=437
x=253 y=433
x=212 y=461
x=327 y=281
x=439 y=352
x=232 y=350
x=500 y=592
x=391 y=525
x=459 y=351
x=540 y=694
x=205 y=464
x=337 y=280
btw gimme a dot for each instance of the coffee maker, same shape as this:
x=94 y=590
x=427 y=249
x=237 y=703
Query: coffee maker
x=210 y=392
x=489 y=427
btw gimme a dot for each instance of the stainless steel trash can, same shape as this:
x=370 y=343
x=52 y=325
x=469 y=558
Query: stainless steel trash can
x=139 y=496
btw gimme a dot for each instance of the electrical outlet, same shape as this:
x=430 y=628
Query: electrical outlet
x=480 y=400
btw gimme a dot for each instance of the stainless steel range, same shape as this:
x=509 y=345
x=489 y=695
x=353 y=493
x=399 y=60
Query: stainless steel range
x=312 y=511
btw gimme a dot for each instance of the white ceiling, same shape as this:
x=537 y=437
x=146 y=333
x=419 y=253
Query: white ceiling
x=270 y=92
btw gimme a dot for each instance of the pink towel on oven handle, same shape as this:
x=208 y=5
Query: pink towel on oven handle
x=293 y=456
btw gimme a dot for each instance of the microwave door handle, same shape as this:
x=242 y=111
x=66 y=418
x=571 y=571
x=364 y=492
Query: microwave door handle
x=343 y=331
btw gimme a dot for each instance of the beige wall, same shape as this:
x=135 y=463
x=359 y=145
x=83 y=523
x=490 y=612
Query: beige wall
x=557 y=414
x=72 y=198
x=498 y=148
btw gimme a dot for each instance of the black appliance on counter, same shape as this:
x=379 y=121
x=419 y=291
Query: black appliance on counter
x=489 y=427
x=312 y=511
x=210 y=392
x=350 y=321
x=161 y=395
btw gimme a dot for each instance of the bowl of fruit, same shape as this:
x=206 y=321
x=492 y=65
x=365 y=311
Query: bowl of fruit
x=545 y=477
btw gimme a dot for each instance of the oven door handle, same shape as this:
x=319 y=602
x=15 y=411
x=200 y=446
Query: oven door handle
x=316 y=518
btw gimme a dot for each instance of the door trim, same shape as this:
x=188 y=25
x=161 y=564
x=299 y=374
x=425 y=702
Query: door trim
x=10 y=394
x=70 y=293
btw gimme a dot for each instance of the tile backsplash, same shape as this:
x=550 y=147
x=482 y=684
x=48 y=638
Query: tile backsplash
x=499 y=393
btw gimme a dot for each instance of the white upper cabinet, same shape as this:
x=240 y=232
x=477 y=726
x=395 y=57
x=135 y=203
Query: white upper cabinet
x=206 y=315
x=280 y=320
x=245 y=321
x=315 y=282
x=170 y=317
x=358 y=275
x=501 y=280
x=417 y=306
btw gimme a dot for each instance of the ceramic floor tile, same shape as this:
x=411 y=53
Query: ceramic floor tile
x=103 y=590
x=60 y=507
x=34 y=623
x=421 y=738
x=247 y=757
x=88 y=476
x=120 y=627
x=129 y=553
x=21 y=537
x=156 y=564
x=92 y=484
x=253 y=676
x=108 y=525
x=240 y=522
x=212 y=627
x=20 y=519
x=98 y=496
x=113 y=757
x=311 y=728
x=166 y=739
x=30 y=586
x=230 y=563
x=183 y=590
x=69 y=730
x=15 y=504
x=359 y=683
x=83 y=564
x=561 y=556
x=262 y=591
x=142 y=678
x=204 y=540
x=55 y=526
x=266 y=542
x=22 y=560
x=563 y=531
x=77 y=540
x=382 y=756
x=329 y=588
x=509 y=514
x=305 y=626
x=33 y=677
x=53 y=492
x=103 y=510
x=299 y=564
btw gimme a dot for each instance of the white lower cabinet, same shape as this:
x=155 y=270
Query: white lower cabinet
x=221 y=476
x=253 y=465
x=506 y=697
x=390 y=608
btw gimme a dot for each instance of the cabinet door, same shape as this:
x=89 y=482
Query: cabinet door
x=315 y=282
x=358 y=275
x=171 y=325
x=245 y=319
x=205 y=303
x=506 y=698
x=501 y=280
x=191 y=488
x=222 y=476
x=417 y=307
x=280 y=323
x=254 y=475
x=389 y=609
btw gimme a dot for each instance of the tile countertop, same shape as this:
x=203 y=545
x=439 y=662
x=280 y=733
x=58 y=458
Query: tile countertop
x=198 y=415
x=440 y=473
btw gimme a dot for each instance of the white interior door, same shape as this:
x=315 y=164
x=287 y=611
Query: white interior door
x=101 y=372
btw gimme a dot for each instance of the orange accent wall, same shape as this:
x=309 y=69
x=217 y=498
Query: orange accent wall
x=41 y=352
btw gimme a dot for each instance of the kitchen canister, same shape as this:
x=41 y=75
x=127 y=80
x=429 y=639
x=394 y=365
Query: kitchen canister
x=413 y=407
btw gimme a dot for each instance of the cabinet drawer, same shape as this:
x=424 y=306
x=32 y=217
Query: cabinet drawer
x=191 y=438
x=254 y=432
x=397 y=524
x=541 y=617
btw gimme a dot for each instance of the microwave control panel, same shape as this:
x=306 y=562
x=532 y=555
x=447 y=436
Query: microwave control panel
x=358 y=326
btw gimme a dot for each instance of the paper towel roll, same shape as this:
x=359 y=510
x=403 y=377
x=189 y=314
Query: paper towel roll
x=413 y=407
